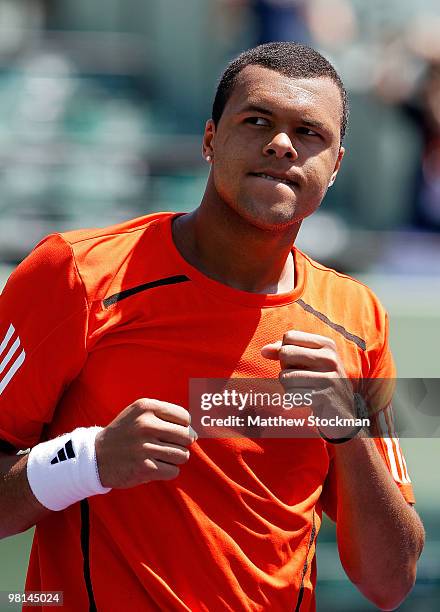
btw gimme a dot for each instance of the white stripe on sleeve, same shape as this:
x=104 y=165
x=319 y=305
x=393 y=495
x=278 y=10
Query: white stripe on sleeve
x=11 y=358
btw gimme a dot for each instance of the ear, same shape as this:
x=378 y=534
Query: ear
x=208 y=140
x=337 y=166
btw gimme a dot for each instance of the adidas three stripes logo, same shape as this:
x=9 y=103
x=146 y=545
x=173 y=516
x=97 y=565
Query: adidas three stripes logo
x=11 y=357
x=65 y=453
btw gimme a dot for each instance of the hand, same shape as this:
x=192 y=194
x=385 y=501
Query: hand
x=146 y=441
x=312 y=361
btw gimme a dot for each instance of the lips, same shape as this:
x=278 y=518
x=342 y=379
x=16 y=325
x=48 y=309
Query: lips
x=277 y=178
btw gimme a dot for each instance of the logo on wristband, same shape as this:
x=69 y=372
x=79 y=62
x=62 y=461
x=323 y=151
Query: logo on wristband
x=65 y=453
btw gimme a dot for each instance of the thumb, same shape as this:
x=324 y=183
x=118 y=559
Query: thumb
x=270 y=351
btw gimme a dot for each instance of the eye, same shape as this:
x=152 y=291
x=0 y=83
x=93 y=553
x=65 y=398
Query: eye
x=260 y=121
x=307 y=131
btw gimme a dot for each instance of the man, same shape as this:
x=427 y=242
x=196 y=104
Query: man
x=103 y=330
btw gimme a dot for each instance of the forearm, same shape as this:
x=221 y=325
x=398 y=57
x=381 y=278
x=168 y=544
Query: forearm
x=148 y=441
x=380 y=536
x=19 y=509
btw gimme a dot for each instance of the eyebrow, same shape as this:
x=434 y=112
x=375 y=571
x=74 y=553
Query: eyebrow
x=255 y=108
x=316 y=124
x=260 y=109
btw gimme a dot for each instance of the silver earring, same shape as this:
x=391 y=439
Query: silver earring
x=208 y=158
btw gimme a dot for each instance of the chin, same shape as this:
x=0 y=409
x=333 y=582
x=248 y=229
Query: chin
x=275 y=218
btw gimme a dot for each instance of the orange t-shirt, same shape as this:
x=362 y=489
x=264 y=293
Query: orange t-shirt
x=95 y=319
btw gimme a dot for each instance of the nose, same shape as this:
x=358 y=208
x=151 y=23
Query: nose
x=280 y=146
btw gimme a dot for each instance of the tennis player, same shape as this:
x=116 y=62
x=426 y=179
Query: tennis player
x=101 y=331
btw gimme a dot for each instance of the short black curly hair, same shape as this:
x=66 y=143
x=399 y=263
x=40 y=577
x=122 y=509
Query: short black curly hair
x=291 y=59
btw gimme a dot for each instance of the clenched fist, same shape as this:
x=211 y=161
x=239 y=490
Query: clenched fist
x=147 y=441
x=311 y=361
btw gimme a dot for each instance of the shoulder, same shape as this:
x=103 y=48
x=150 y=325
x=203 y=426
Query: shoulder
x=127 y=232
x=107 y=242
x=344 y=303
x=324 y=283
x=88 y=260
x=102 y=255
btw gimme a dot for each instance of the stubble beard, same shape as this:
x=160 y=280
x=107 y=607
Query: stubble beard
x=271 y=217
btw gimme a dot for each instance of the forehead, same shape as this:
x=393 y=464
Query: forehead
x=259 y=86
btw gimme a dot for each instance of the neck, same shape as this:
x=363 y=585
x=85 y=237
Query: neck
x=218 y=242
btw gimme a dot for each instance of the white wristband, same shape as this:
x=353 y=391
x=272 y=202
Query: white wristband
x=64 y=470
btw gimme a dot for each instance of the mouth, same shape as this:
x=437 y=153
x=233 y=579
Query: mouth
x=276 y=179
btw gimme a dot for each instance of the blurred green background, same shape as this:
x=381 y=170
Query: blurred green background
x=102 y=106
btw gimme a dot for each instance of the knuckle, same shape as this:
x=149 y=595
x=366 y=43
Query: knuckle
x=183 y=435
x=142 y=404
x=184 y=420
x=333 y=360
x=330 y=356
x=183 y=411
x=184 y=416
x=147 y=448
x=148 y=422
x=171 y=472
x=186 y=454
x=331 y=344
x=288 y=337
x=150 y=467
x=183 y=457
x=284 y=376
x=150 y=464
x=285 y=355
x=285 y=351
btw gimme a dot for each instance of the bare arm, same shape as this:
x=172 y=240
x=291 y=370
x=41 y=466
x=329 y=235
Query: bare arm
x=380 y=536
x=147 y=441
x=19 y=509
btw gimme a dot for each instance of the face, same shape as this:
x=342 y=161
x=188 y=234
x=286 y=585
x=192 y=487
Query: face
x=276 y=147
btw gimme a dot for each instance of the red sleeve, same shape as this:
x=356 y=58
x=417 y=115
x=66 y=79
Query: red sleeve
x=389 y=447
x=379 y=385
x=379 y=382
x=43 y=330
